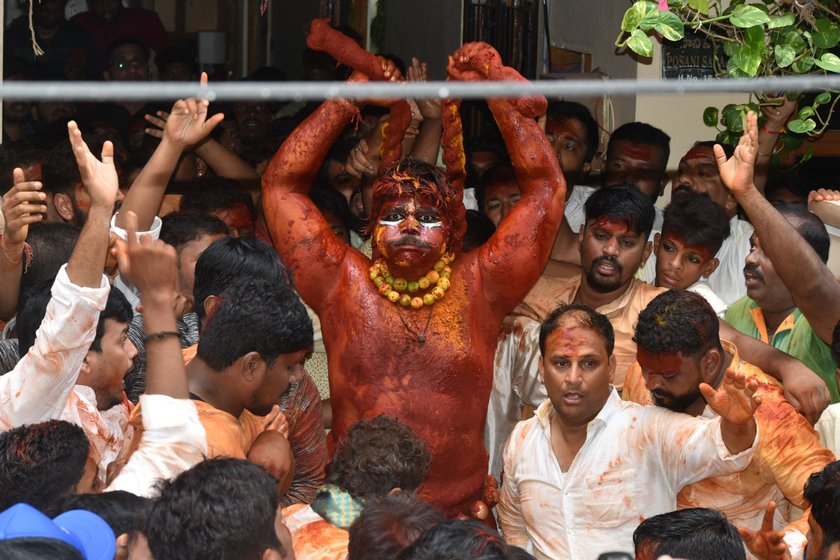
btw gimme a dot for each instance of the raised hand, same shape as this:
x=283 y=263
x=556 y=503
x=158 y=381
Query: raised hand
x=766 y=543
x=429 y=108
x=23 y=205
x=737 y=172
x=99 y=177
x=151 y=265
x=735 y=400
x=186 y=124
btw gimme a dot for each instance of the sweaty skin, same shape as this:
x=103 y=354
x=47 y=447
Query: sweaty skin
x=377 y=362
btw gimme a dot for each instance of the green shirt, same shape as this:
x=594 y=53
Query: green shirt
x=794 y=337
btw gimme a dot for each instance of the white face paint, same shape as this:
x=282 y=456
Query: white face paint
x=427 y=218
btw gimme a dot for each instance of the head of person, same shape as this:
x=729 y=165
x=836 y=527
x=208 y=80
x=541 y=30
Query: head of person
x=416 y=217
x=252 y=119
x=693 y=231
x=614 y=238
x=224 y=199
x=220 y=508
x=124 y=512
x=259 y=334
x=497 y=192
x=479 y=230
x=573 y=134
x=378 y=456
x=127 y=60
x=190 y=232
x=335 y=172
x=764 y=285
x=27 y=533
x=230 y=259
x=482 y=154
x=388 y=525
x=111 y=354
x=49 y=115
x=823 y=493
x=637 y=155
x=41 y=463
x=177 y=64
x=691 y=534
x=576 y=362
x=105 y=10
x=48 y=15
x=29 y=159
x=678 y=347
x=15 y=111
x=67 y=199
x=698 y=172
x=464 y=540
x=335 y=210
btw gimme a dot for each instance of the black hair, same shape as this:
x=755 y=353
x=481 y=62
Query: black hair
x=691 y=534
x=585 y=317
x=220 y=508
x=34 y=310
x=480 y=229
x=562 y=111
x=122 y=41
x=625 y=203
x=59 y=169
x=502 y=172
x=177 y=55
x=728 y=149
x=22 y=157
x=388 y=525
x=678 y=321
x=123 y=511
x=210 y=194
x=809 y=226
x=377 y=455
x=823 y=493
x=38 y=548
x=179 y=228
x=457 y=539
x=645 y=134
x=40 y=463
x=696 y=220
x=254 y=315
x=52 y=244
x=330 y=200
x=230 y=259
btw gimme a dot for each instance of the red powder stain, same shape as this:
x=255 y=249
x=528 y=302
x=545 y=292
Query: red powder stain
x=611 y=225
x=658 y=363
x=704 y=252
x=638 y=151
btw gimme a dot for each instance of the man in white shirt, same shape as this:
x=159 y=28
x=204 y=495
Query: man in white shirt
x=588 y=468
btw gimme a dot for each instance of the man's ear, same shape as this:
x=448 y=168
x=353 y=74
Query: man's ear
x=211 y=304
x=612 y=368
x=64 y=207
x=664 y=183
x=711 y=266
x=272 y=554
x=710 y=364
x=541 y=368
x=584 y=171
x=251 y=366
x=657 y=237
x=646 y=253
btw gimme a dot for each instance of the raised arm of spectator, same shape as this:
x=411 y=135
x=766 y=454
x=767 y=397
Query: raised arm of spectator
x=186 y=125
x=23 y=205
x=427 y=142
x=775 y=117
x=813 y=286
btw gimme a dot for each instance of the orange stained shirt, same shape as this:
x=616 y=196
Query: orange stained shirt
x=548 y=293
x=314 y=538
x=788 y=452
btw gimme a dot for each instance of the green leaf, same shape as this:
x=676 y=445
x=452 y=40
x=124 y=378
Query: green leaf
x=733 y=118
x=670 y=26
x=790 y=142
x=632 y=17
x=748 y=16
x=826 y=34
x=829 y=62
x=701 y=6
x=782 y=21
x=726 y=137
x=822 y=99
x=751 y=54
x=803 y=66
x=809 y=152
x=785 y=55
x=806 y=112
x=710 y=116
x=640 y=43
x=801 y=126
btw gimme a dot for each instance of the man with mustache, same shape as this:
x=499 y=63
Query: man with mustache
x=679 y=347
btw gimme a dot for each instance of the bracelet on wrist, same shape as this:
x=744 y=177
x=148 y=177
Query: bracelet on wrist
x=770 y=130
x=159 y=335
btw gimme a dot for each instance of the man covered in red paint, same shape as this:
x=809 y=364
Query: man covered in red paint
x=412 y=334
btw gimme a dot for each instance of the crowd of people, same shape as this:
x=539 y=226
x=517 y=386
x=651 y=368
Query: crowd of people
x=349 y=330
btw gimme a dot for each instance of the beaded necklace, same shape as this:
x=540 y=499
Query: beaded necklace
x=399 y=290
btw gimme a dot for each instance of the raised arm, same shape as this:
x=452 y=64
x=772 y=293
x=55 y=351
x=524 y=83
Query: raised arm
x=735 y=402
x=813 y=286
x=513 y=259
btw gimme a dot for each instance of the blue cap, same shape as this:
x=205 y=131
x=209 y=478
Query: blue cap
x=85 y=531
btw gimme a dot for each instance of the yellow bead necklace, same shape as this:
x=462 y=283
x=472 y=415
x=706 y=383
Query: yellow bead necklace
x=399 y=290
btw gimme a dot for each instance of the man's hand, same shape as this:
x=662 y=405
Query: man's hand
x=23 y=205
x=737 y=172
x=766 y=543
x=822 y=195
x=804 y=390
x=776 y=115
x=98 y=177
x=429 y=108
x=277 y=421
x=186 y=124
x=735 y=400
x=360 y=163
x=148 y=264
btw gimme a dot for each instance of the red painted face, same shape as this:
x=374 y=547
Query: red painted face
x=678 y=266
x=239 y=220
x=610 y=254
x=672 y=379
x=577 y=372
x=568 y=139
x=410 y=235
x=640 y=165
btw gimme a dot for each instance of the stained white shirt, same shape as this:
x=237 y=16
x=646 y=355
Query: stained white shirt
x=634 y=461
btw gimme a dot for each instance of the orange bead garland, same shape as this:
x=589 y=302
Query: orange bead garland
x=397 y=290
